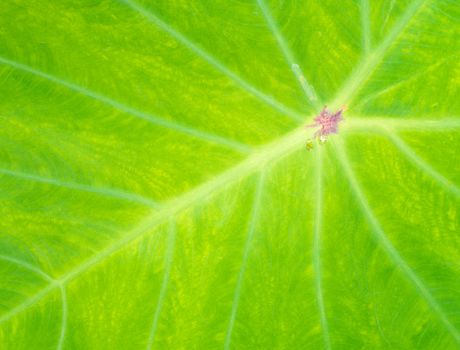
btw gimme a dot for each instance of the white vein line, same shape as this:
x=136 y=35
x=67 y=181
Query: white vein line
x=401 y=82
x=289 y=56
x=363 y=72
x=247 y=247
x=164 y=285
x=365 y=25
x=29 y=302
x=421 y=164
x=393 y=254
x=357 y=123
x=27 y=266
x=387 y=17
x=130 y=110
x=152 y=17
x=317 y=249
x=64 y=317
x=109 y=192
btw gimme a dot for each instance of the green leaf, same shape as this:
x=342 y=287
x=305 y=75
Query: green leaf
x=156 y=192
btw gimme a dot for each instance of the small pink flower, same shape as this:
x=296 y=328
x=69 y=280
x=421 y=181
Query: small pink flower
x=327 y=122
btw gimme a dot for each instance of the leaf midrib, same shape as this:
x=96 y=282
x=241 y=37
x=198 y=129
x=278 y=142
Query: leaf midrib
x=273 y=152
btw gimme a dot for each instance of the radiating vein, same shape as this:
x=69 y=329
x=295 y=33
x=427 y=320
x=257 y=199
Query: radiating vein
x=422 y=164
x=317 y=249
x=370 y=123
x=164 y=285
x=169 y=124
x=64 y=317
x=365 y=25
x=289 y=56
x=27 y=266
x=422 y=72
x=387 y=17
x=247 y=248
x=188 y=43
x=108 y=192
x=365 y=69
x=391 y=251
x=29 y=302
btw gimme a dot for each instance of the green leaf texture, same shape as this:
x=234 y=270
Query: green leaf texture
x=156 y=192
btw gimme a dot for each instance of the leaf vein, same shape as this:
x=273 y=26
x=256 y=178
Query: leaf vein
x=164 y=285
x=394 y=86
x=109 y=192
x=365 y=25
x=27 y=266
x=29 y=302
x=369 y=124
x=64 y=317
x=188 y=43
x=169 y=124
x=247 y=247
x=289 y=56
x=389 y=248
x=317 y=250
x=422 y=164
x=370 y=62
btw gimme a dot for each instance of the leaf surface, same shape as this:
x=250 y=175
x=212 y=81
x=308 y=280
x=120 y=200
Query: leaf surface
x=157 y=194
